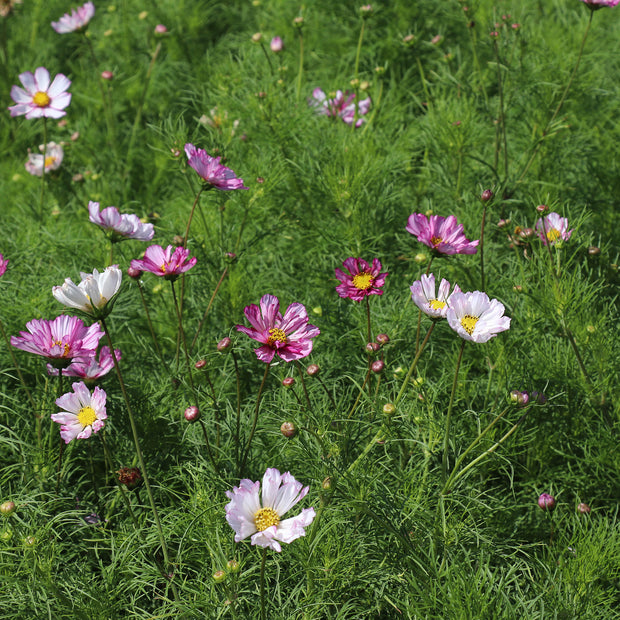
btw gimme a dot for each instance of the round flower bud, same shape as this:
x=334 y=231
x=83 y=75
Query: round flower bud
x=233 y=566
x=520 y=399
x=134 y=273
x=6 y=534
x=389 y=409
x=7 y=508
x=288 y=382
x=382 y=339
x=130 y=477
x=312 y=370
x=365 y=85
x=30 y=541
x=327 y=484
x=494 y=34
x=594 y=251
x=160 y=29
x=542 y=208
x=409 y=39
x=200 y=364
x=192 y=414
x=377 y=366
x=366 y=10
x=546 y=502
x=583 y=509
x=372 y=347
x=288 y=429
x=539 y=398
x=219 y=576
x=526 y=233
x=178 y=240
x=224 y=344
x=257 y=37
x=503 y=223
x=420 y=258
x=354 y=83
x=298 y=22
x=276 y=45
x=107 y=75
x=379 y=70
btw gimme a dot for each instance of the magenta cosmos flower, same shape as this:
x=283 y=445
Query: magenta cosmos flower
x=119 y=225
x=260 y=517
x=211 y=171
x=553 y=228
x=362 y=279
x=475 y=317
x=166 y=263
x=423 y=295
x=4 y=262
x=599 y=4
x=289 y=336
x=341 y=106
x=442 y=234
x=40 y=98
x=82 y=413
x=62 y=340
x=89 y=369
x=78 y=18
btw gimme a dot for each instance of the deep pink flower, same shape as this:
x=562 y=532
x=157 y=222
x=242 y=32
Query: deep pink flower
x=341 y=106
x=289 y=336
x=211 y=171
x=89 y=369
x=82 y=413
x=38 y=98
x=3 y=265
x=546 y=502
x=165 y=263
x=553 y=228
x=119 y=225
x=62 y=340
x=599 y=4
x=362 y=279
x=78 y=18
x=442 y=234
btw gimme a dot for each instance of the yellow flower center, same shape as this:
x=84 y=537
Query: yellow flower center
x=58 y=343
x=41 y=99
x=163 y=267
x=553 y=235
x=86 y=416
x=276 y=335
x=436 y=240
x=469 y=323
x=266 y=517
x=49 y=161
x=362 y=281
x=435 y=304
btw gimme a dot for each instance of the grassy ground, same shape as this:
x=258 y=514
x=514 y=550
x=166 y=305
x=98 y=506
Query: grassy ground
x=394 y=536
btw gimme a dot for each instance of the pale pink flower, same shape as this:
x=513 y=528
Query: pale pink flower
x=442 y=234
x=40 y=98
x=362 y=279
x=52 y=159
x=77 y=19
x=553 y=228
x=3 y=265
x=166 y=263
x=89 y=369
x=423 y=295
x=341 y=106
x=119 y=225
x=82 y=413
x=276 y=45
x=475 y=317
x=210 y=169
x=260 y=516
x=289 y=336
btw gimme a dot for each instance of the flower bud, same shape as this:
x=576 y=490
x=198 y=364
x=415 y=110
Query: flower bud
x=7 y=508
x=539 y=398
x=546 y=502
x=494 y=34
x=288 y=429
x=219 y=576
x=583 y=509
x=420 y=258
x=520 y=399
x=327 y=484
x=30 y=541
x=486 y=195
x=389 y=409
x=257 y=37
x=502 y=223
x=313 y=370
x=224 y=344
x=200 y=364
x=526 y=233
x=288 y=382
x=134 y=273
x=354 y=83
x=130 y=477
x=366 y=10
x=192 y=414
x=594 y=251
x=372 y=347
x=382 y=339
x=298 y=22
x=377 y=366
x=409 y=39
x=379 y=70
x=160 y=29
x=542 y=208
x=233 y=566
x=107 y=75
x=276 y=45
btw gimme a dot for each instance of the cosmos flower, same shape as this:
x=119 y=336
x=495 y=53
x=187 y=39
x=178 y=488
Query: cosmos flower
x=442 y=234
x=599 y=4
x=553 y=228
x=40 y=98
x=62 y=340
x=210 y=169
x=3 y=265
x=77 y=19
x=423 y=295
x=89 y=369
x=119 y=225
x=362 y=279
x=94 y=295
x=289 y=336
x=260 y=517
x=82 y=413
x=165 y=263
x=475 y=317
x=341 y=106
x=53 y=158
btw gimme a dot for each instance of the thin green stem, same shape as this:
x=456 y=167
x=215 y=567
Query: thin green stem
x=43 y=168
x=502 y=125
x=359 y=49
x=263 y=614
x=191 y=215
x=414 y=363
x=267 y=57
x=481 y=247
x=369 y=332
x=301 y=64
x=204 y=316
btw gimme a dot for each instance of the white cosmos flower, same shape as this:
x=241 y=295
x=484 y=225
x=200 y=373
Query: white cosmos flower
x=52 y=159
x=93 y=293
x=261 y=518
x=423 y=295
x=475 y=317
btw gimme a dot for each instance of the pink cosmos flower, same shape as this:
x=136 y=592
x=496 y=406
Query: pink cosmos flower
x=39 y=97
x=289 y=336
x=62 y=340
x=3 y=265
x=423 y=295
x=260 y=517
x=475 y=317
x=599 y=4
x=362 y=280
x=119 y=225
x=77 y=19
x=89 y=369
x=442 y=234
x=51 y=159
x=82 y=413
x=211 y=171
x=341 y=106
x=165 y=263
x=553 y=228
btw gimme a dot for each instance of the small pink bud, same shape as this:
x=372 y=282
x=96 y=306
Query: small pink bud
x=7 y=508
x=486 y=195
x=107 y=75
x=160 y=29
x=257 y=37
x=288 y=429
x=494 y=34
x=583 y=509
x=594 y=251
x=382 y=339
x=372 y=347
x=313 y=370
x=409 y=39
x=233 y=566
x=539 y=398
x=200 y=364
x=366 y=10
x=526 y=233
x=377 y=366
x=224 y=344
x=546 y=502
x=260 y=180
x=520 y=399
x=288 y=382
x=219 y=576
x=515 y=26
x=276 y=45
x=192 y=414
x=134 y=273
x=436 y=39
x=542 y=208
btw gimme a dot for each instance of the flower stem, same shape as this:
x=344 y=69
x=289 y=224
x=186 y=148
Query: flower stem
x=204 y=316
x=301 y=64
x=238 y=420
x=43 y=169
x=359 y=48
x=263 y=615
x=368 y=319
x=502 y=126
x=267 y=57
x=191 y=215
x=303 y=382
x=481 y=247
x=414 y=363
x=150 y=324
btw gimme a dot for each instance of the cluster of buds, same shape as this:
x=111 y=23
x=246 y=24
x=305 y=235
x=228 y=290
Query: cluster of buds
x=232 y=566
x=520 y=399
